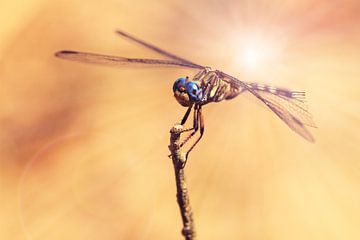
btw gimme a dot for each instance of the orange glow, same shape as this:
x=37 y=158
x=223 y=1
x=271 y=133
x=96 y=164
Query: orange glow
x=83 y=148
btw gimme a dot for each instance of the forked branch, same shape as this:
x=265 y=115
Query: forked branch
x=182 y=194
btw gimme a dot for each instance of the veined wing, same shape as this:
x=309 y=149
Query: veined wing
x=157 y=49
x=119 y=61
x=287 y=105
x=293 y=101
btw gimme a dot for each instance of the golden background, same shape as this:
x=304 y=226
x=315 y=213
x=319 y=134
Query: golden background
x=83 y=148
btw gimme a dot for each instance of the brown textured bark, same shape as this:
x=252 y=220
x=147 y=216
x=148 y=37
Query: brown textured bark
x=182 y=193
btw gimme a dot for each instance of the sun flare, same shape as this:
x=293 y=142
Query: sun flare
x=252 y=56
x=255 y=52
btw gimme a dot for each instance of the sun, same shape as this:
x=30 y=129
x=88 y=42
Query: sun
x=256 y=52
x=253 y=56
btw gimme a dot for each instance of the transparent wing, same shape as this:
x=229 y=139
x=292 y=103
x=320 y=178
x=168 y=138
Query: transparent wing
x=289 y=106
x=119 y=61
x=156 y=49
x=292 y=101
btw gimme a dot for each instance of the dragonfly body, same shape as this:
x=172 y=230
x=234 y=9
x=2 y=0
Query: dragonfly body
x=210 y=86
x=203 y=88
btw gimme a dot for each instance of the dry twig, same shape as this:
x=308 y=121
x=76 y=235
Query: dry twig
x=182 y=194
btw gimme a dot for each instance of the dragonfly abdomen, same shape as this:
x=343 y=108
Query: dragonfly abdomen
x=298 y=95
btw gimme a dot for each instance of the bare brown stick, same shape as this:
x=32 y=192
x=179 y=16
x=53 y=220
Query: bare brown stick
x=182 y=193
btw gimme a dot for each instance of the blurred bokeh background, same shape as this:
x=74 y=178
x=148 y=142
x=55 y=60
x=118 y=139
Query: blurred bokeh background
x=83 y=148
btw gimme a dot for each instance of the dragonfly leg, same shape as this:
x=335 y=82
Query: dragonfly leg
x=186 y=115
x=194 y=128
x=201 y=122
x=184 y=120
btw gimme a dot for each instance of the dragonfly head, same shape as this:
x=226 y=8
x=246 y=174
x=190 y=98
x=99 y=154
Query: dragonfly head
x=187 y=92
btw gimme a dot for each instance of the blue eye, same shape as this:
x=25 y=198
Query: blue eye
x=194 y=91
x=179 y=85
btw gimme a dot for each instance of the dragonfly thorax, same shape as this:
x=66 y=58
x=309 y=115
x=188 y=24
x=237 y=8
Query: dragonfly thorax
x=187 y=92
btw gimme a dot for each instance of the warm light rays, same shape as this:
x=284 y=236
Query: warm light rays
x=83 y=148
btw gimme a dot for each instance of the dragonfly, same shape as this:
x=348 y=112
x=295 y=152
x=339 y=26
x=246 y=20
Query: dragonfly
x=208 y=86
